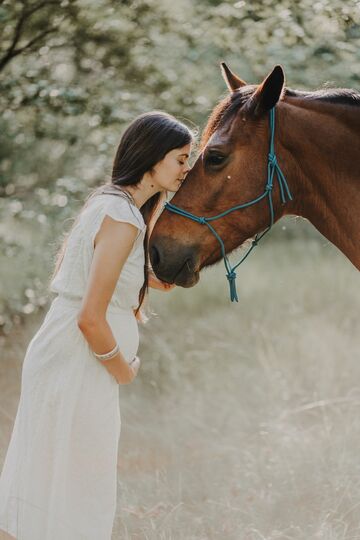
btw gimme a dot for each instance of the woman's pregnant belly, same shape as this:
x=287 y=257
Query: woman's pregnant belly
x=124 y=326
x=59 y=345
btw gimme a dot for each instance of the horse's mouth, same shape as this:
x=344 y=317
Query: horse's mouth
x=212 y=258
x=187 y=276
x=215 y=256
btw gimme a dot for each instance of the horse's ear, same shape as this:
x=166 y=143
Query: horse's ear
x=233 y=82
x=267 y=93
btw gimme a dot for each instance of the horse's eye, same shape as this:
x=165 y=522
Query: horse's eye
x=214 y=159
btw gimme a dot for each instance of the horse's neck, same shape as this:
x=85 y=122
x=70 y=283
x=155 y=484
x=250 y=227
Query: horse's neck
x=322 y=144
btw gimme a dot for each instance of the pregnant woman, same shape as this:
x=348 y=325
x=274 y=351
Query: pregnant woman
x=59 y=477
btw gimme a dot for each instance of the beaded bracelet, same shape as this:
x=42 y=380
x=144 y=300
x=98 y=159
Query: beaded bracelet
x=108 y=355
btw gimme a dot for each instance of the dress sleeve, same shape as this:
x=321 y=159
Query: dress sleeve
x=120 y=210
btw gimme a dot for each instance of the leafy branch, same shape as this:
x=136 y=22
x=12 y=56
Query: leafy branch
x=23 y=25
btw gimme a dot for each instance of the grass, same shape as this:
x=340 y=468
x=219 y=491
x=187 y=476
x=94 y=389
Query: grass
x=243 y=423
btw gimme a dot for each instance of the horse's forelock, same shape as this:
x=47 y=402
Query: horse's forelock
x=225 y=110
x=214 y=120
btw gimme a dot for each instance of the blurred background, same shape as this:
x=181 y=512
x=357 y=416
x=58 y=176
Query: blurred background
x=243 y=422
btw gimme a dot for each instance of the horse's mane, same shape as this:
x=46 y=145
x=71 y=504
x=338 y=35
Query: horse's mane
x=340 y=96
x=232 y=103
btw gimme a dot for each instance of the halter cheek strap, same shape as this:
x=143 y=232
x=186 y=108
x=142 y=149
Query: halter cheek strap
x=272 y=170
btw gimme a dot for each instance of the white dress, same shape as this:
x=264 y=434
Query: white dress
x=59 y=477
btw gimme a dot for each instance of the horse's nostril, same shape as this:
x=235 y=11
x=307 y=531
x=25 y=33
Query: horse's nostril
x=154 y=256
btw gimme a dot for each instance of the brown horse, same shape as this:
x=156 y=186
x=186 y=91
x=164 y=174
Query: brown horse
x=317 y=144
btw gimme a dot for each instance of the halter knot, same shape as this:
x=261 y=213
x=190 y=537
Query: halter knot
x=231 y=276
x=202 y=220
x=272 y=159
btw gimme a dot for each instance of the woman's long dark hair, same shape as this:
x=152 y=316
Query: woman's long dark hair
x=145 y=142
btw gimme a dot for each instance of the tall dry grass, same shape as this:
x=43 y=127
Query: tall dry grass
x=243 y=423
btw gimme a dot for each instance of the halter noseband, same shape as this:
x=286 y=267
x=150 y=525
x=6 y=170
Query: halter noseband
x=285 y=194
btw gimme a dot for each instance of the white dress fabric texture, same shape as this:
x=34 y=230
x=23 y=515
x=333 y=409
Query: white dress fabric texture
x=59 y=478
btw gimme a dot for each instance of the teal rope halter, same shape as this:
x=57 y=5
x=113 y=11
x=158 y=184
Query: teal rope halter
x=272 y=168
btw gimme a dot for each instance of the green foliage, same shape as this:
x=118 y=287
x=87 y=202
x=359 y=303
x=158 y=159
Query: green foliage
x=73 y=73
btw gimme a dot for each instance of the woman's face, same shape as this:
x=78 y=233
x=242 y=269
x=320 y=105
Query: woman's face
x=170 y=172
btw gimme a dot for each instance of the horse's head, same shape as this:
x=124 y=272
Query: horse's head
x=231 y=169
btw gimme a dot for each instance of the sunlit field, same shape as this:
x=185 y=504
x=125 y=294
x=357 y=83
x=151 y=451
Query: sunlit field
x=244 y=422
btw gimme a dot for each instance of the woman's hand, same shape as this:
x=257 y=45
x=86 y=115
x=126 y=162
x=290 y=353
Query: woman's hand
x=156 y=283
x=135 y=365
x=122 y=371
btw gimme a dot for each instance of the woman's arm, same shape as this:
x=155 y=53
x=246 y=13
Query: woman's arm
x=113 y=244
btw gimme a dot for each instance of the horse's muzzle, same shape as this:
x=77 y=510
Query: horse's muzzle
x=173 y=262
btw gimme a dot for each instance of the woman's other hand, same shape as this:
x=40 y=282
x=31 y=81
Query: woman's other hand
x=156 y=283
x=135 y=365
